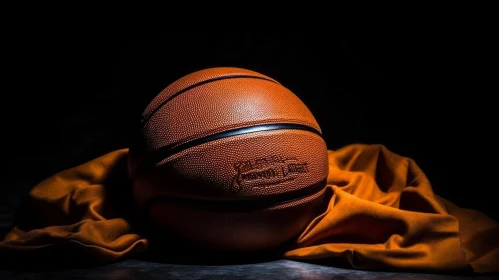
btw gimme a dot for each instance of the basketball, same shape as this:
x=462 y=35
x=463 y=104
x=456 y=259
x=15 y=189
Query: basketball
x=229 y=159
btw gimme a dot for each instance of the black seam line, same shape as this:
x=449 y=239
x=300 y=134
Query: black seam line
x=170 y=150
x=146 y=118
x=242 y=204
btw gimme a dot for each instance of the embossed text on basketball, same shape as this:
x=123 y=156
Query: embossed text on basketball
x=267 y=171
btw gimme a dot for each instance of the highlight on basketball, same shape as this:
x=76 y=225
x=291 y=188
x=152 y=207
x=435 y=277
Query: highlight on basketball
x=229 y=158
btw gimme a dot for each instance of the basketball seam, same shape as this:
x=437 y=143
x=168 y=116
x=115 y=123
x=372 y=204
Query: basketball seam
x=235 y=126
x=169 y=150
x=146 y=118
x=242 y=203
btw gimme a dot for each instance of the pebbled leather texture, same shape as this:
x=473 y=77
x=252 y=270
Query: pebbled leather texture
x=283 y=165
x=196 y=78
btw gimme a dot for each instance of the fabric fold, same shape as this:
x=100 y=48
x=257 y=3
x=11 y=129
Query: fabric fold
x=381 y=214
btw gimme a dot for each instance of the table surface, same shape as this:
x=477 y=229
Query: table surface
x=278 y=269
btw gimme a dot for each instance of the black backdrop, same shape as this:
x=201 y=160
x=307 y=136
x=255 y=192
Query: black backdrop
x=75 y=97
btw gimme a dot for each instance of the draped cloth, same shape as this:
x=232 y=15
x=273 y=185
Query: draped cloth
x=381 y=213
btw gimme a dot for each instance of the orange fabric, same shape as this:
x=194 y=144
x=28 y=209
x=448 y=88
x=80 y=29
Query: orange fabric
x=382 y=214
x=73 y=217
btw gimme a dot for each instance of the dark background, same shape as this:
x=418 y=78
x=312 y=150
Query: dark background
x=73 y=96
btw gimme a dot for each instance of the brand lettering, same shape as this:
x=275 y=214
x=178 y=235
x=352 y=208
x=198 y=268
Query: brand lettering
x=267 y=171
x=295 y=168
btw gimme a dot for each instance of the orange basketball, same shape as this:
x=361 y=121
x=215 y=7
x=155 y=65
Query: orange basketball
x=229 y=159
